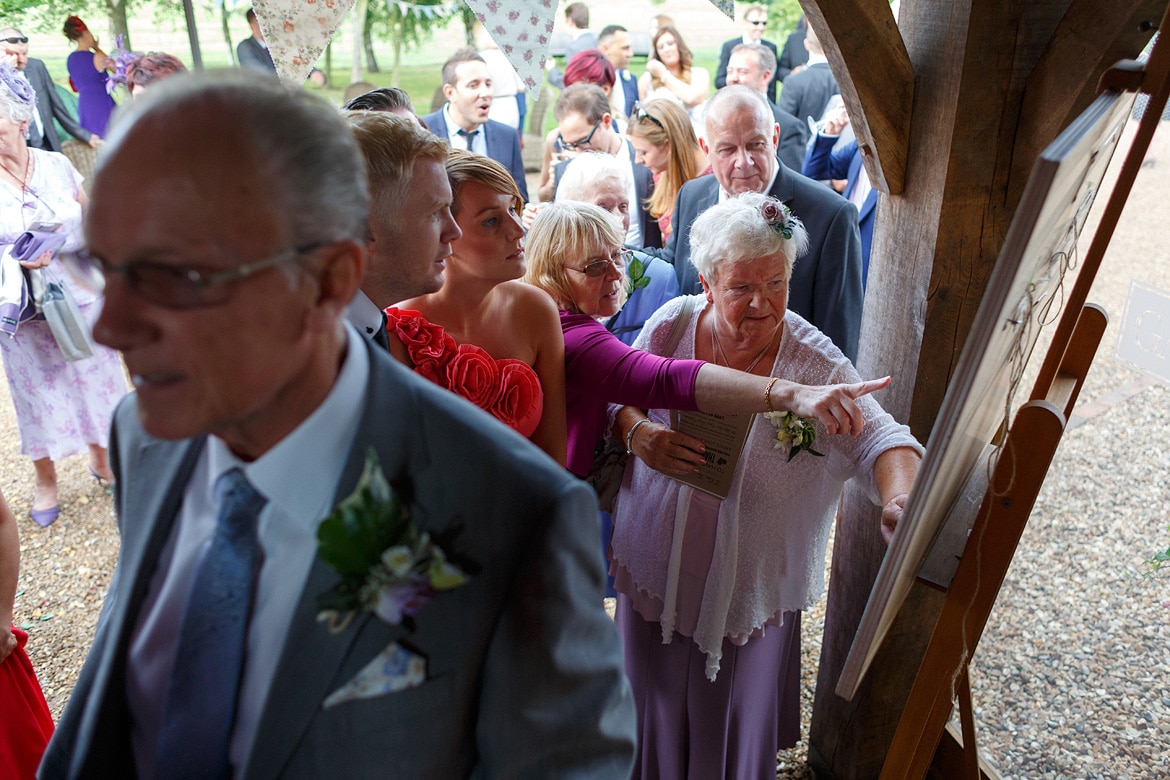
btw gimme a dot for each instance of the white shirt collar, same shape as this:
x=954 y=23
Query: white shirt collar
x=455 y=141
x=815 y=59
x=291 y=474
x=364 y=315
x=724 y=194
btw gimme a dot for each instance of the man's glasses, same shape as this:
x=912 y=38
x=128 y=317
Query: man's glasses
x=15 y=39
x=172 y=286
x=759 y=23
x=641 y=113
x=573 y=146
x=599 y=268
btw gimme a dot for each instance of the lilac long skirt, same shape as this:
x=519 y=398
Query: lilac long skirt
x=61 y=407
x=690 y=727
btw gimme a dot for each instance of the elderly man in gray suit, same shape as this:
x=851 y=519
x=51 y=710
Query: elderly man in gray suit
x=228 y=263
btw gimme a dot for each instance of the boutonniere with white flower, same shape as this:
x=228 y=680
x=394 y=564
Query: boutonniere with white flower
x=793 y=433
x=387 y=565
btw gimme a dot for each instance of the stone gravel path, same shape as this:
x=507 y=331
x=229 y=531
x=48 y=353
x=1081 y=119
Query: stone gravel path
x=1072 y=678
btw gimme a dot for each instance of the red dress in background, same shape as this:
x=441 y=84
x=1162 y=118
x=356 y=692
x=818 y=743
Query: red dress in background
x=25 y=724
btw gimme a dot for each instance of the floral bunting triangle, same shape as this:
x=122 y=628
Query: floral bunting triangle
x=297 y=31
x=726 y=6
x=523 y=31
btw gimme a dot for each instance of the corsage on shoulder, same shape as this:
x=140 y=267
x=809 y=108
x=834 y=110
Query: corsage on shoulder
x=387 y=566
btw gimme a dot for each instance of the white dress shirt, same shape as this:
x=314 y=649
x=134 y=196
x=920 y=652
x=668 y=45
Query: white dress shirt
x=299 y=478
x=634 y=234
x=478 y=141
x=364 y=315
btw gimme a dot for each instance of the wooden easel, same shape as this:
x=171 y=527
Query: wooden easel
x=923 y=741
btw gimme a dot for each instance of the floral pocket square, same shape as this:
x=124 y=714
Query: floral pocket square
x=394 y=669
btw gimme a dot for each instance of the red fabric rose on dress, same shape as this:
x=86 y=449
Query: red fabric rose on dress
x=425 y=342
x=521 y=397
x=473 y=374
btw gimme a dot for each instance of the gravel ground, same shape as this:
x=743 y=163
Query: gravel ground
x=1072 y=677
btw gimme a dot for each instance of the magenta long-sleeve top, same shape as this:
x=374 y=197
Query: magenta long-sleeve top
x=600 y=370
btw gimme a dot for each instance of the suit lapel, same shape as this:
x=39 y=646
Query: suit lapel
x=153 y=505
x=312 y=657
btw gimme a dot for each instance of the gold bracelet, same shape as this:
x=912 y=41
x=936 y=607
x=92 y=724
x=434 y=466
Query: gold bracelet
x=768 y=395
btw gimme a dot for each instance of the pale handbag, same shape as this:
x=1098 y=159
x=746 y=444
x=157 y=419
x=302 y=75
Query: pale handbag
x=65 y=320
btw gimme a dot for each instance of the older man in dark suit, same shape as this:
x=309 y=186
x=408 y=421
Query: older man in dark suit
x=41 y=132
x=463 y=121
x=741 y=140
x=476 y=644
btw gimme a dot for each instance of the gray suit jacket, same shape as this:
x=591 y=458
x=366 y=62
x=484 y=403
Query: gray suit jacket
x=49 y=105
x=826 y=286
x=524 y=670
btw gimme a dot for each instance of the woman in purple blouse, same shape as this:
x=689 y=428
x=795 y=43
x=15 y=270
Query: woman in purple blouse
x=575 y=254
x=87 y=69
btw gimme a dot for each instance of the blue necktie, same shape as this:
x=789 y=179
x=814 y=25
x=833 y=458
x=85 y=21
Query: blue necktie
x=196 y=732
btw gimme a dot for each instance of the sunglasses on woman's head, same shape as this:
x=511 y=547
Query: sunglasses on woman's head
x=641 y=113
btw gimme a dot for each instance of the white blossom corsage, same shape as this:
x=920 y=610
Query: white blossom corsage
x=387 y=565
x=793 y=433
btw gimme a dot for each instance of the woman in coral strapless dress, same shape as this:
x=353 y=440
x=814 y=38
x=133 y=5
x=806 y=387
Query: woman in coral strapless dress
x=485 y=335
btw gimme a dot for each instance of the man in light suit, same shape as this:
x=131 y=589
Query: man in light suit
x=411 y=228
x=246 y=370
x=827 y=161
x=463 y=121
x=755 y=21
x=741 y=140
x=41 y=132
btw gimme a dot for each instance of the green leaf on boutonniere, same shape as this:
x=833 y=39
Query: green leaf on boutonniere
x=370 y=519
x=636 y=274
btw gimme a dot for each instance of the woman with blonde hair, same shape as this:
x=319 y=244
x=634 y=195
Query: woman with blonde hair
x=484 y=334
x=576 y=255
x=665 y=141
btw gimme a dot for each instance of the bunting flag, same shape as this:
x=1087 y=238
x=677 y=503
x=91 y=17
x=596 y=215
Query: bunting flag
x=427 y=11
x=297 y=31
x=726 y=6
x=523 y=31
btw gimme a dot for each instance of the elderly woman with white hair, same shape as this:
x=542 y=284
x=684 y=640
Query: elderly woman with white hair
x=602 y=180
x=710 y=590
x=62 y=407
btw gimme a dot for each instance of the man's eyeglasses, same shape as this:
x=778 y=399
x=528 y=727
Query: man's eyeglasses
x=641 y=113
x=172 y=286
x=15 y=39
x=759 y=22
x=573 y=146
x=599 y=268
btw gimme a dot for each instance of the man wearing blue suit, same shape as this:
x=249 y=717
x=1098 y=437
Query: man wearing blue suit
x=614 y=43
x=464 y=122
x=256 y=406
x=825 y=161
x=741 y=141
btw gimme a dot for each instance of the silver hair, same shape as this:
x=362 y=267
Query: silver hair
x=735 y=231
x=736 y=97
x=586 y=170
x=291 y=138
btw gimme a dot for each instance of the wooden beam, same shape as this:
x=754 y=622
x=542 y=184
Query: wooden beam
x=1092 y=36
x=873 y=71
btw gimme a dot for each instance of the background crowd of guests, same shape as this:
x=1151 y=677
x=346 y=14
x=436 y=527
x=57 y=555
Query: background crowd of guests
x=674 y=259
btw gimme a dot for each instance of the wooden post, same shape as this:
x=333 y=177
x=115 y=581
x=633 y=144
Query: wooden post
x=972 y=140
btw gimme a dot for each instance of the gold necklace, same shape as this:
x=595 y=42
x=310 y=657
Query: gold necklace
x=716 y=346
